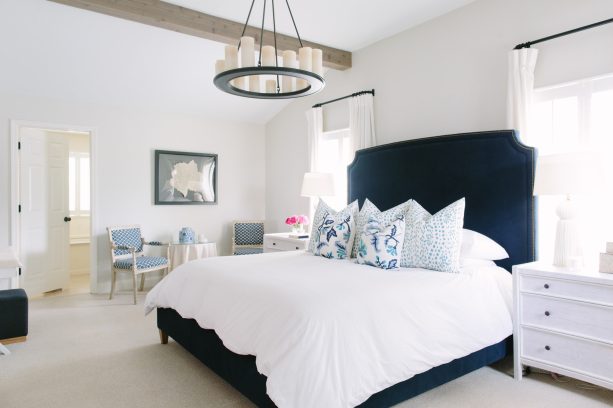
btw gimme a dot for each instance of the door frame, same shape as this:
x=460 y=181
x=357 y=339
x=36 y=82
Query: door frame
x=15 y=219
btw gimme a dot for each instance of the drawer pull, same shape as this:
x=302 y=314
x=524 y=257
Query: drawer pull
x=547 y=348
x=297 y=248
x=547 y=313
x=274 y=243
x=546 y=286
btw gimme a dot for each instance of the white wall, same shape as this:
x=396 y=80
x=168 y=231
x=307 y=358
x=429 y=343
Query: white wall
x=445 y=76
x=124 y=143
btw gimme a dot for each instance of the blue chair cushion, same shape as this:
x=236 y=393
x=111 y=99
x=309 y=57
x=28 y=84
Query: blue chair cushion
x=248 y=251
x=248 y=233
x=142 y=262
x=129 y=237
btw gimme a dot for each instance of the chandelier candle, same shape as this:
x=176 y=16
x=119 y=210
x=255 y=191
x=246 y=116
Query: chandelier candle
x=220 y=66
x=247 y=47
x=231 y=62
x=318 y=67
x=305 y=57
x=289 y=61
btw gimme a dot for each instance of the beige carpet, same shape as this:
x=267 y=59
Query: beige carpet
x=84 y=351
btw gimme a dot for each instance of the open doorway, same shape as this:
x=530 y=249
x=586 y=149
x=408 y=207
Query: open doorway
x=52 y=224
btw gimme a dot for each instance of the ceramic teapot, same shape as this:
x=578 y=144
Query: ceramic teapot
x=187 y=235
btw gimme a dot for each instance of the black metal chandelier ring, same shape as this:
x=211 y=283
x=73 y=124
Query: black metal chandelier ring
x=223 y=81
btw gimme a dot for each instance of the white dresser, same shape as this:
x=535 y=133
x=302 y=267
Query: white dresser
x=564 y=322
x=283 y=242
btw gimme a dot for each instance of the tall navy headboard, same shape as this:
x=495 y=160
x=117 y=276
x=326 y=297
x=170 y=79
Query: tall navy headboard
x=493 y=170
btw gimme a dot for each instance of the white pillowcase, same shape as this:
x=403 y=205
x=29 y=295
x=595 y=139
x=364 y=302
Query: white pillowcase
x=478 y=246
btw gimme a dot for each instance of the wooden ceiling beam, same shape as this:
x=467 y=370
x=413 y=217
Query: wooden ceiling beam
x=176 y=18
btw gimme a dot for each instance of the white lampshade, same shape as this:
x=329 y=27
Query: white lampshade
x=317 y=185
x=568 y=174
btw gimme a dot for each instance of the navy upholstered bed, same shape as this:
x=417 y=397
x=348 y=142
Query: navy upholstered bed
x=491 y=169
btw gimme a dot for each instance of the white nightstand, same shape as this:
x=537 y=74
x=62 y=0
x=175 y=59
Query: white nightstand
x=282 y=242
x=564 y=322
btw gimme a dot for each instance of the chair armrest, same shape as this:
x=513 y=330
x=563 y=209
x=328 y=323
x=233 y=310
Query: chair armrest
x=156 y=243
x=125 y=248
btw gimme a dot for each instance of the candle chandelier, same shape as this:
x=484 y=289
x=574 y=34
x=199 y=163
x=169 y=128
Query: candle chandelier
x=267 y=79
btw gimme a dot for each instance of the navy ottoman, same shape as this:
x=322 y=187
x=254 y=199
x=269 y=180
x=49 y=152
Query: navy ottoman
x=13 y=315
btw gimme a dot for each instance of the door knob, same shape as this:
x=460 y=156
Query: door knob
x=67 y=219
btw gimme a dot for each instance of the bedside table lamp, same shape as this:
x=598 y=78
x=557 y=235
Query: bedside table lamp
x=567 y=174
x=317 y=185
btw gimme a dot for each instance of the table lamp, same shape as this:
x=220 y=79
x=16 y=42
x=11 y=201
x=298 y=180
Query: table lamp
x=567 y=174
x=317 y=185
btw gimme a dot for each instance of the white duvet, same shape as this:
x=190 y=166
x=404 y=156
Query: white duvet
x=330 y=333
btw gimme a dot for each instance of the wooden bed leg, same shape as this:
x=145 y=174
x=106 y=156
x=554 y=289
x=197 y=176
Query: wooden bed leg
x=163 y=337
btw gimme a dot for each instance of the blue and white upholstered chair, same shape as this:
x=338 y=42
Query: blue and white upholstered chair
x=247 y=237
x=127 y=255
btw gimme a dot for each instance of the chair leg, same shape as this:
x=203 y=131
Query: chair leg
x=142 y=282
x=113 y=273
x=134 y=285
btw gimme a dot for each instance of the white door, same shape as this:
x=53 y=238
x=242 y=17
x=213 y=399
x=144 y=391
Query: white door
x=43 y=190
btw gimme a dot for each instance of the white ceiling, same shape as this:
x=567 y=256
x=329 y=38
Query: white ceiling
x=54 y=51
x=344 y=24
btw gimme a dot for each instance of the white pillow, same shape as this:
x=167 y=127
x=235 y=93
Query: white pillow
x=471 y=262
x=478 y=246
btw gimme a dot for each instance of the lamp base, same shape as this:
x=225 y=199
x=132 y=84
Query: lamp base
x=568 y=248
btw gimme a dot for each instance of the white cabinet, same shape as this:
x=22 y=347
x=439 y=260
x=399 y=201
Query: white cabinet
x=283 y=242
x=564 y=322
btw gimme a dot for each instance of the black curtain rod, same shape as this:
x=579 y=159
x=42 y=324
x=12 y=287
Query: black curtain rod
x=551 y=37
x=319 y=105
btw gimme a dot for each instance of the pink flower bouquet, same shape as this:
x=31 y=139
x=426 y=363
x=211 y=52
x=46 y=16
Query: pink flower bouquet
x=297 y=222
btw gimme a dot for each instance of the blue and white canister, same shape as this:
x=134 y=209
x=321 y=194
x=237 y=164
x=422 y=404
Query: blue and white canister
x=187 y=235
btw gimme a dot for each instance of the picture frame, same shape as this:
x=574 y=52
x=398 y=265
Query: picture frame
x=185 y=178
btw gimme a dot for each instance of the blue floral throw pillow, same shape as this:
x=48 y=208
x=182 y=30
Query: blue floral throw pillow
x=369 y=210
x=380 y=245
x=335 y=236
x=433 y=241
x=324 y=210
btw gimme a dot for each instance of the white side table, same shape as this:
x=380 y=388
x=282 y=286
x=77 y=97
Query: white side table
x=283 y=242
x=9 y=267
x=181 y=253
x=564 y=322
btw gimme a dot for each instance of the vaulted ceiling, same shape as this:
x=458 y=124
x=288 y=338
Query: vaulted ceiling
x=54 y=51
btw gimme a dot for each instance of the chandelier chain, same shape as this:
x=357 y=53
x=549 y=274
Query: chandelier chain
x=274 y=32
x=294 y=22
x=262 y=35
x=246 y=23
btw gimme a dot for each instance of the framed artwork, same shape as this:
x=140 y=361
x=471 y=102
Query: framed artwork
x=185 y=178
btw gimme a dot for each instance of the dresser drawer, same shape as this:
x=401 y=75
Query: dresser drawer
x=567 y=289
x=282 y=245
x=585 y=356
x=582 y=319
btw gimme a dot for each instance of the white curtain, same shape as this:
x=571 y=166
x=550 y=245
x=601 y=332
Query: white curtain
x=362 y=122
x=315 y=128
x=520 y=88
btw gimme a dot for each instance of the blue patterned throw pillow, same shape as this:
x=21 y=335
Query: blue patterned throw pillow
x=335 y=236
x=433 y=241
x=370 y=211
x=324 y=210
x=380 y=245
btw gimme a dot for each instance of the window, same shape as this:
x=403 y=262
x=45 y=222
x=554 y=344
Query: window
x=334 y=157
x=570 y=117
x=78 y=184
